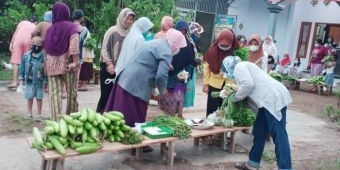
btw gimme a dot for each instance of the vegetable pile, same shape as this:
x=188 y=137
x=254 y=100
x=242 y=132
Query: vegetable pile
x=276 y=76
x=318 y=80
x=242 y=52
x=234 y=113
x=180 y=128
x=84 y=131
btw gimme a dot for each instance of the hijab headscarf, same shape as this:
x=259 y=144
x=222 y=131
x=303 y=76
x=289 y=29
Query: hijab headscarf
x=122 y=28
x=57 y=39
x=133 y=40
x=175 y=39
x=186 y=55
x=215 y=56
x=48 y=16
x=269 y=47
x=228 y=66
x=166 y=24
x=255 y=56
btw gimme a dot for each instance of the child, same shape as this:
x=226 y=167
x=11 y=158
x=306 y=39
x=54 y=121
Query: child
x=32 y=76
x=329 y=64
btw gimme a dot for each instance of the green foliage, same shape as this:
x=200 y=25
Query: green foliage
x=242 y=52
x=40 y=9
x=332 y=113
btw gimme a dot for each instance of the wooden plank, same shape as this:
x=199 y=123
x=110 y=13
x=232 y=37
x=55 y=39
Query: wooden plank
x=107 y=147
x=171 y=153
x=232 y=143
x=215 y=130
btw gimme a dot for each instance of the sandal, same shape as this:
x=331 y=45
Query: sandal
x=242 y=166
x=12 y=86
x=147 y=149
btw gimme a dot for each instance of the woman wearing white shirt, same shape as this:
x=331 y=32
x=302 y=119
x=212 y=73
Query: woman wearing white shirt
x=269 y=99
x=270 y=54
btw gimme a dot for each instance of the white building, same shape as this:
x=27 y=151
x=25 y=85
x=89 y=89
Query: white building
x=253 y=17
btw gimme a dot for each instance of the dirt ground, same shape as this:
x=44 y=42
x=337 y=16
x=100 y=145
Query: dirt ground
x=318 y=148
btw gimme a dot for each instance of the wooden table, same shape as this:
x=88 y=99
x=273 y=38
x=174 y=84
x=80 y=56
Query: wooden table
x=52 y=160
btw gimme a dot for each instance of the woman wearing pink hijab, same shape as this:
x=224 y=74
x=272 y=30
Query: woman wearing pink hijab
x=166 y=24
x=132 y=90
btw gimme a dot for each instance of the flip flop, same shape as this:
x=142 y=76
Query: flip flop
x=242 y=166
x=12 y=86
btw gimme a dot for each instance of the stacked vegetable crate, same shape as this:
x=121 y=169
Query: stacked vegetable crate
x=84 y=131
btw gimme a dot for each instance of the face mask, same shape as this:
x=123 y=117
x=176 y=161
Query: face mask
x=223 y=48
x=35 y=49
x=253 y=48
x=176 y=51
x=316 y=45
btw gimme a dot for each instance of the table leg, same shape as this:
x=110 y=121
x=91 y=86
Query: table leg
x=56 y=164
x=196 y=141
x=163 y=151
x=171 y=153
x=139 y=152
x=232 y=143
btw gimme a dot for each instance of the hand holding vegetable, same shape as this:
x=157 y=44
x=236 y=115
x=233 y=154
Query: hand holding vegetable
x=205 y=88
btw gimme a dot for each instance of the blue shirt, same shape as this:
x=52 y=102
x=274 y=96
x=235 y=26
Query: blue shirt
x=32 y=70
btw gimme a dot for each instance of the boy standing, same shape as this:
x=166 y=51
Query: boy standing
x=32 y=76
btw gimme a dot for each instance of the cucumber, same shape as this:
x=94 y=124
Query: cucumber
x=75 y=145
x=95 y=123
x=87 y=149
x=80 y=130
x=99 y=118
x=119 y=114
x=90 y=140
x=84 y=115
x=111 y=138
x=71 y=121
x=37 y=136
x=48 y=130
x=57 y=145
x=120 y=134
x=124 y=128
x=84 y=136
x=48 y=145
x=71 y=129
x=54 y=124
x=88 y=126
x=112 y=117
x=106 y=120
x=62 y=140
x=36 y=146
x=116 y=128
x=122 y=122
x=91 y=115
x=118 y=139
x=93 y=133
x=116 y=123
x=102 y=126
x=63 y=128
x=75 y=115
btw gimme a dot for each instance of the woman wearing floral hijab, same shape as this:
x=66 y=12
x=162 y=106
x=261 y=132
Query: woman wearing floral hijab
x=213 y=80
x=62 y=60
x=112 y=43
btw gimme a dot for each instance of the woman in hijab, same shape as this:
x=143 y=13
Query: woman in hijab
x=112 y=43
x=133 y=40
x=255 y=50
x=269 y=99
x=166 y=24
x=132 y=91
x=62 y=60
x=213 y=80
x=270 y=53
x=172 y=103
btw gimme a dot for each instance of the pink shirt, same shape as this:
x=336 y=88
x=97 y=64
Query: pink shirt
x=23 y=32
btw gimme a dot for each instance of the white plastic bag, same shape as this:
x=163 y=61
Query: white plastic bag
x=138 y=127
x=21 y=89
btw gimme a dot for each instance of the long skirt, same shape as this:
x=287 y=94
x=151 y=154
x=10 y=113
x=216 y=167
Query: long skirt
x=133 y=108
x=86 y=71
x=173 y=102
x=189 y=98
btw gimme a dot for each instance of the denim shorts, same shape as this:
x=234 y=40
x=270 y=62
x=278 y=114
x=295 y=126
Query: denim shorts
x=32 y=91
x=329 y=78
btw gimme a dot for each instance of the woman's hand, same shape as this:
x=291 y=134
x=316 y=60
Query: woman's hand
x=110 y=69
x=71 y=66
x=205 y=88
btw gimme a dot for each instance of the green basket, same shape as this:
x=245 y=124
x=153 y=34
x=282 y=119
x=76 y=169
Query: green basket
x=164 y=131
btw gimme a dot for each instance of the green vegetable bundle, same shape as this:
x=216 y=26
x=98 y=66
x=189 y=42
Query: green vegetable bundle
x=328 y=58
x=84 y=131
x=242 y=52
x=318 y=80
x=239 y=112
x=289 y=78
x=276 y=76
x=180 y=128
x=91 y=43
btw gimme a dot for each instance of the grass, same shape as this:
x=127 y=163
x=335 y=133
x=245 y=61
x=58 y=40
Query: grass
x=269 y=156
x=329 y=164
x=4 y=74
x=17 y=123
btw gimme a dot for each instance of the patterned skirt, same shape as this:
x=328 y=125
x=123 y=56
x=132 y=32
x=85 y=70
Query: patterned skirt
x=173 y=102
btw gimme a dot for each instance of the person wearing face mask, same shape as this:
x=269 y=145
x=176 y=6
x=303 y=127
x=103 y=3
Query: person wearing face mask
x=318 y=54
x=255 y=50
x=32 y=76
x=112 y=43
x=132 y=91
x=241 y=39
x=213 y=80
x=269 y=99
x=270 y=54
x=172 y=103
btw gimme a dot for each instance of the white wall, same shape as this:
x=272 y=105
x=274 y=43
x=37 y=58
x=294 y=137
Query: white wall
x=305 y=12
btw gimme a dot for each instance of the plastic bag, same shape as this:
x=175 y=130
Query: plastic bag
x=215 y=117
x=21 y=89
x=138 y=127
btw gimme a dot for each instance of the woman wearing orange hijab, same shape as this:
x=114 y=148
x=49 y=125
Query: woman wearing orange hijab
x=255 y=50
x=213 y=80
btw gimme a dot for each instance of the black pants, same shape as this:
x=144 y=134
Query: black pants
x=105 y=89
x=213 y=103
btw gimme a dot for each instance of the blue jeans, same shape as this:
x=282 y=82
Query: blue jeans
x=266 y=123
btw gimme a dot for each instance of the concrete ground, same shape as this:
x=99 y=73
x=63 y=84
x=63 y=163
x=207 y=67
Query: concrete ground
x=314 y=145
